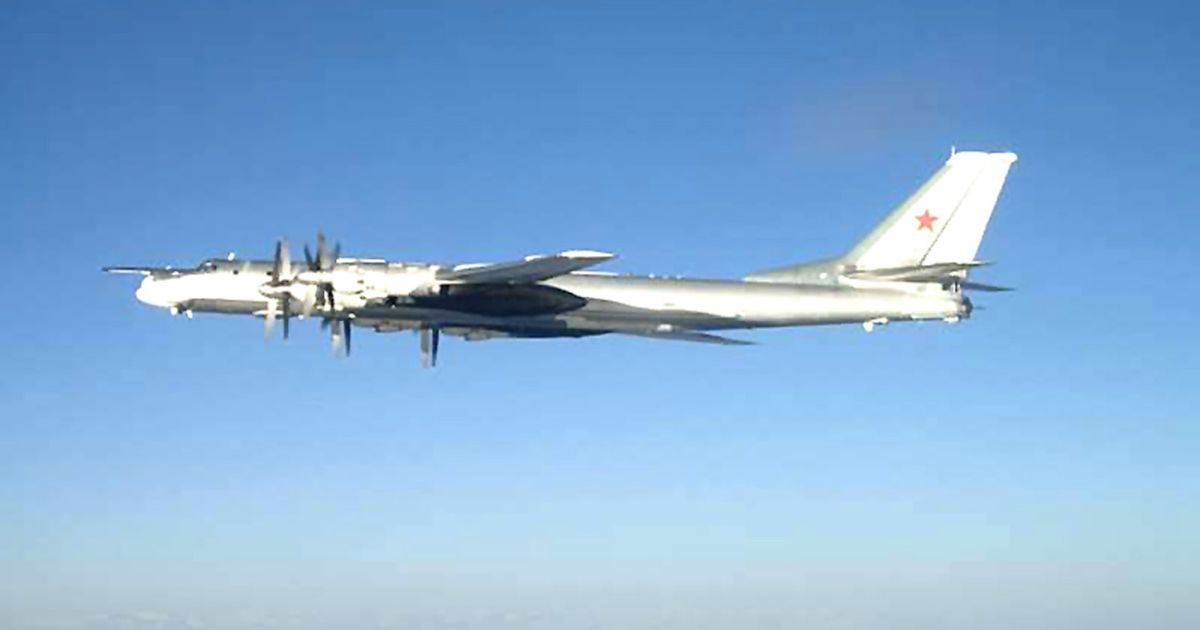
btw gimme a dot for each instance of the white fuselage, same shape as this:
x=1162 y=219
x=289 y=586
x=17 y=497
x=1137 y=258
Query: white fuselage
x=379 y=294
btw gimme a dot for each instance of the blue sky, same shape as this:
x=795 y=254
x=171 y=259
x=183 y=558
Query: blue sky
x=1035 y=467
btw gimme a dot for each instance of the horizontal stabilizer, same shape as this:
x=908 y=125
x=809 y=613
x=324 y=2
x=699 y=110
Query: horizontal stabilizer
x=922 y=273
x=527 y=270
x=979 y=286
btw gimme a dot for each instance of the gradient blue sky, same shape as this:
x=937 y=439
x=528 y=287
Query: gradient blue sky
x=1035 y=468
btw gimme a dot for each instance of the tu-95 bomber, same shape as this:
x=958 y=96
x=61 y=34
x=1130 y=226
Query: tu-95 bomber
x=911 y=266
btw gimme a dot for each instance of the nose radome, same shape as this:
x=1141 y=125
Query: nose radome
x=151 y=293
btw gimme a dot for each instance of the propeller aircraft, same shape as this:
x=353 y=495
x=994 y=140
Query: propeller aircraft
x=911 y=266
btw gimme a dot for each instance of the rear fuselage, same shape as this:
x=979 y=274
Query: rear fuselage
x=722 y=304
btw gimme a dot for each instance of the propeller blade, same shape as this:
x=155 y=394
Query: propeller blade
x=339 y=335
x=323 y=262
x=308 y=259
x=335 y=335
x=430 y=338
x=287 y=314
x=311 y=295
x=278 y=261
x=285 y=260
x=269 y=320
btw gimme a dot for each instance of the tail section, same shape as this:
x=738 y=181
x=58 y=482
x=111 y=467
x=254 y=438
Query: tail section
x=943 y=222
x=939 y=225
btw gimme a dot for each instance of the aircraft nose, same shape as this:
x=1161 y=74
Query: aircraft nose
x=150 y=292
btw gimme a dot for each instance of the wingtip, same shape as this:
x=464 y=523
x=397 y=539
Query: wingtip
x=587 y=254
x=121 y=269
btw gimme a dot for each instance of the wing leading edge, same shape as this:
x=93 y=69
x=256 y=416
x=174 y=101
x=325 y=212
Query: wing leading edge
x=525 y=271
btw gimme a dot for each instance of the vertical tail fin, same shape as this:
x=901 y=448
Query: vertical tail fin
x=943 y=221
x=941 y=224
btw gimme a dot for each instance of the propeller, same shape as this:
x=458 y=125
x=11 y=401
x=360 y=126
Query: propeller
x=320 y=271
x=278 y=290
x=316 y=281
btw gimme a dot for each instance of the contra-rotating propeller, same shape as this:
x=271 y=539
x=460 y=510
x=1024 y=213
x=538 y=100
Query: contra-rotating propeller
x=320 y=270
x=320 y=275
x=315 y=283
x=278 y=290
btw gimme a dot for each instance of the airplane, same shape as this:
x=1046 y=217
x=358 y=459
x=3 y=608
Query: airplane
x=911 y=266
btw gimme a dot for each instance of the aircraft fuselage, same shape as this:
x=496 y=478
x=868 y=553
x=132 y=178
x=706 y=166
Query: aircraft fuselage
x=390 y=296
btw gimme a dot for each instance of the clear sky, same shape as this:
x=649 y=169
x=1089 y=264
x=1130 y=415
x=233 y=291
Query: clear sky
x=1035 y=467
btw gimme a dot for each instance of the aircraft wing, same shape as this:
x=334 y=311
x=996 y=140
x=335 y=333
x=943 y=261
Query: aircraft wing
x=678 y=334
x=145 y=271
x=674 y=332
x=525 y=271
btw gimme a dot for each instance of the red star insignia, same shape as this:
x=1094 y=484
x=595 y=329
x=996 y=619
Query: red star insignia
x=926 y=221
